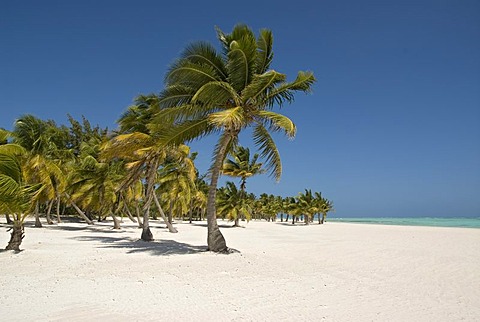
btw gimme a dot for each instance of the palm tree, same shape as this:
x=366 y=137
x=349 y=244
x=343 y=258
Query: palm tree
x=324 y=206
x=42 y=161
x=15 y=194
x=307 y=205
x=143 y=156
x=177 y=181
x=208 y=92
x=242 y=167
x=231 y=203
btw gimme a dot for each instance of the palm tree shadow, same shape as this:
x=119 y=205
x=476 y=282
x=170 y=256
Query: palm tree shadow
x=159 y=247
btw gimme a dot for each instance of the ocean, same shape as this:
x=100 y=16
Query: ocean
x=417 y=221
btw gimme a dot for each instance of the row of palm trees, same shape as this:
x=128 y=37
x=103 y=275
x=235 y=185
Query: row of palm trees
x=145 y=166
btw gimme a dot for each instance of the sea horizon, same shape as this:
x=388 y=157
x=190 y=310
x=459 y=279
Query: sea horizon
x=461 y=222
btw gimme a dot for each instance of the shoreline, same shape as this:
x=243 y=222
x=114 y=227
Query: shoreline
x=331 y=272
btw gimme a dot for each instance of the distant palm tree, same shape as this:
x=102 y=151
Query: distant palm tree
x=306 y=205
x=42 y=165
x=231 y=203
x=176 y=181
x=241 y=166
x=208 y=92
x=324 y=206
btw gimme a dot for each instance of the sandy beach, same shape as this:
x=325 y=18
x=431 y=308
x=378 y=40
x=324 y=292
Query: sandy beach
x=331 y=272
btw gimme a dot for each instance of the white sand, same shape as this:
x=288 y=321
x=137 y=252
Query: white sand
x=334 y=272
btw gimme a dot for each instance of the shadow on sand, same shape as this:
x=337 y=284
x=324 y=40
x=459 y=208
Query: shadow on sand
x=159 y=247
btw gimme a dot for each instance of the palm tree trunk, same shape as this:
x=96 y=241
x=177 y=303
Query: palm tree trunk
x=281 y=217
x=81 y=213
x=190 y=212
x=50 y=204
x=293 y=220
x=146 y=232
x=38 y=223
x=162 y=214
x=286 y=219
x=116 y=222
x=324 y=215
x=9 y=220
x=150 y=177
x=137 y=211
x=170 y=212
x=215 y=240
x=129 y=214
x=58 y=210
x=16 y=236
x=307 y=220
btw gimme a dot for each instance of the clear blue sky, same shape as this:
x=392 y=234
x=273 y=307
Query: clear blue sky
x=393 y=125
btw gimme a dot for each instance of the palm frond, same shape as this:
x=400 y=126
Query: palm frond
x=186 y=132
x=278 y=122
x=285 y=92
x=175 y=95
x=268 y=151
x=204 y=53
x=216 y=94
x=232 y=118
x=262 y=84
x=188 y=74
x=265 y=52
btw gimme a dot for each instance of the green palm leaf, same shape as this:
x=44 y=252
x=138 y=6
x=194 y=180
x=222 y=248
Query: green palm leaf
x=268 y=151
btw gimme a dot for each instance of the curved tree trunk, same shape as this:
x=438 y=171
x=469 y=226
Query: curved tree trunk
x=38 y=223
x=49 y=209
x=215 y=240
x=162 y=214
x=16 y=237
x=80 y=212
x=146 y=232
x=307 y=220
x=137 y=212
x=129 y=214
x=58 y=210
x=116 y=222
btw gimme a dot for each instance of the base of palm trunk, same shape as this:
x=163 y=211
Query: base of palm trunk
x=147 y=234
x=38 y=223
x=16 y=238
x=216 y=241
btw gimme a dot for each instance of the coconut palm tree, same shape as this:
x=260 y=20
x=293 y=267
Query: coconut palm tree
x=42 y=166
x=209 y=92
x=15 y=193
x=231 y=203
x=176 y=181
x=307 y=205
x=323 y=205
x=242 y=167
x=143 y=156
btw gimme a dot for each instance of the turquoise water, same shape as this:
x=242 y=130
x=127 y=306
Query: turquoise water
x=422 y=221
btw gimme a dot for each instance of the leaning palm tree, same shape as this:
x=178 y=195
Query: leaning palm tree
x=209 y=92
x=42 y=164
x=15 y=193
x=143 y=156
